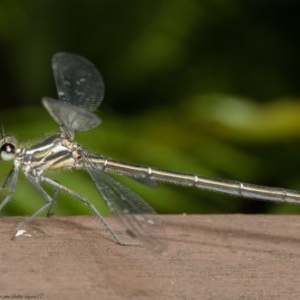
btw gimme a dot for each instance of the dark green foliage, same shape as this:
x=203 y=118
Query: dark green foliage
x=207 y=87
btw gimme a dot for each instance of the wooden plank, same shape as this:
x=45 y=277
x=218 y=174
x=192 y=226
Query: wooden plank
x=208 y=257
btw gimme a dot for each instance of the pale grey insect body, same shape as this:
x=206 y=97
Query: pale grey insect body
x=81 y=90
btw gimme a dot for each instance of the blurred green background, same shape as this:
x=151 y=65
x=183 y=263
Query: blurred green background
x=204 y=87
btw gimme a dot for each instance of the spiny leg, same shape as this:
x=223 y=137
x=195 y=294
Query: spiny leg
x=12 y=178
x=8 y=178
x=48 y=205
x=60 y=187
x=50 y=210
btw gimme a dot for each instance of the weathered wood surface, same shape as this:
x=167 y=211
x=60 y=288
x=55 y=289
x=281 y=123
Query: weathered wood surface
x=208 y=257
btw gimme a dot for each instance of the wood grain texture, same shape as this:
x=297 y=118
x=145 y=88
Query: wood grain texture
x=208 y=257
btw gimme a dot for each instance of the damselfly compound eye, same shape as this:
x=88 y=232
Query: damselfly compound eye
x=8 y=146
x=7 y=151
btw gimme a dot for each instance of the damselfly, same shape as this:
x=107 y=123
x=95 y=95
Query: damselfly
x=80 y=91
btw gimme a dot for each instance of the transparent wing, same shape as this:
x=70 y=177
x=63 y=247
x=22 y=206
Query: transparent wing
x=70 y=117
x=145 y=181
x=78 y=82
x=135 y=215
